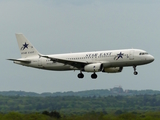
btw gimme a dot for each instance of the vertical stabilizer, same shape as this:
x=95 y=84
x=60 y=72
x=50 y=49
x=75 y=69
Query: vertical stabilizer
x=26 y=48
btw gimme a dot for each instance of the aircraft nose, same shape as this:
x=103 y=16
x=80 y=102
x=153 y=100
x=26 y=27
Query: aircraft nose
x=151 y=58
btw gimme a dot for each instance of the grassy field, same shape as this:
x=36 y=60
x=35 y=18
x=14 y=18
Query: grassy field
x=89 y=116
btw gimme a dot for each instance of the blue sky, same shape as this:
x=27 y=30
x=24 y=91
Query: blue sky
x=76 y=26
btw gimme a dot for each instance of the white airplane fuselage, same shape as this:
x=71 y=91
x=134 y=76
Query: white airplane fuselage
x=131 y=57
x=110 y=61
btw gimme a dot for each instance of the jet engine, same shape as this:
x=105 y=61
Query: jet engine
x=113 y=69
x=95 y=67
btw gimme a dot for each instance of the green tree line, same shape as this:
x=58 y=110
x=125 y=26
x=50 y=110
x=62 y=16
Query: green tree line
x=87 y=93
x=79 y=105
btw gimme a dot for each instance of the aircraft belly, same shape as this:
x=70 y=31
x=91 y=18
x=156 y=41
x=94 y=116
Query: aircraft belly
x=57 y=66
x=127 y=63
x=60 y=68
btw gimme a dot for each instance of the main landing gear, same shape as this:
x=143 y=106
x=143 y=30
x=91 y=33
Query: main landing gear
x=81 y=75
x=94 y=76
x=135 y=72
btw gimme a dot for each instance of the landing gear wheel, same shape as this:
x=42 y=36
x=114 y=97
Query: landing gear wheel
x=80 y=75
x=135 y=73
x=94 y=76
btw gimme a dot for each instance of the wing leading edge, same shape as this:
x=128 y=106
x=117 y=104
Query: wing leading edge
x=77 y=64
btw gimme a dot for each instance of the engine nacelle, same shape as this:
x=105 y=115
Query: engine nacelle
x=95 y=67
x=113 y=69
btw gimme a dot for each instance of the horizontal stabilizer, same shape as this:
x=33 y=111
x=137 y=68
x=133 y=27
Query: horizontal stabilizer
x=23 y=61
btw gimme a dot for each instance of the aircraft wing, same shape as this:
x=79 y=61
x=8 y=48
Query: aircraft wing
x=24 y=61
x=77 y=64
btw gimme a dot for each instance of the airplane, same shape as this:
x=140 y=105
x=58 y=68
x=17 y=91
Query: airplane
x=110 y=61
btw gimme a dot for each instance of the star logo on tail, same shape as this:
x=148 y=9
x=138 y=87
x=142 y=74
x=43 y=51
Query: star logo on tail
x=24 y=46
x=120 y=55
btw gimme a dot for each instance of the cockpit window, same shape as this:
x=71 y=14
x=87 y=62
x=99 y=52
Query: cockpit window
x=143 y=53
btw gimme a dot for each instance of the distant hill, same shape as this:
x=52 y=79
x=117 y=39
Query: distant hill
x=88 y=93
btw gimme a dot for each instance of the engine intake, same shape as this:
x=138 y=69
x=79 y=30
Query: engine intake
x=95 y=67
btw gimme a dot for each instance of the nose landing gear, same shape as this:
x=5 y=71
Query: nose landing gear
x=135 y=72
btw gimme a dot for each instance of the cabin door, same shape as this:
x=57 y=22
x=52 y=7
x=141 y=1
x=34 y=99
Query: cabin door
x=131 y=55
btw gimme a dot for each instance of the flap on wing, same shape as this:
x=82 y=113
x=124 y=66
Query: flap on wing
x=78 y=64
x=24 y=61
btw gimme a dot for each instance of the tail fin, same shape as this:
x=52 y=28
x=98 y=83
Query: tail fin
x=26 y=48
